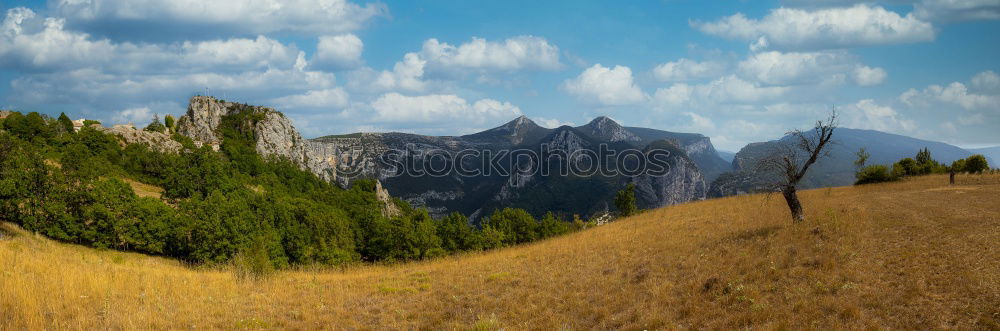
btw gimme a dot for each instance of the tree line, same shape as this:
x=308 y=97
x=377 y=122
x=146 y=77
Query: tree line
x=220 y=206
x=921 y=164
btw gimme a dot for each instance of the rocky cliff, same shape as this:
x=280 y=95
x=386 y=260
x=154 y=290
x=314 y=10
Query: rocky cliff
x=274 y=133
x=478 y=195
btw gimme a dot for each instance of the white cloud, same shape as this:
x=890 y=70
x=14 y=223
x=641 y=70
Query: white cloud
x=828 y=28
x=867 y=114
x=551 y=122
x=777 y=68
x=211 y=18
x=726 y=90
x=606 y=86
x=136 y=116
x=518 y=53
x=326 y=98
x=987 y=82
x=31 y=43
x=440 y=108
x=686 y=70
x=338 y=52
x=957 y=10
x=868 y=76
x=954 y=94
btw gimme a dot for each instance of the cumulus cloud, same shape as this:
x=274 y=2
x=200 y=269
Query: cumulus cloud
x=137 y=116
x=957 y=10
x=867 y=114
x=551 y=122
x=517 y=53
x=338 y=52
x=986 y=82
x=32 y=43
x=826 y=28
x=868 y=76
x=195 y=19
x=687 y=70
x=726 y=90
x=326 y=98
x=606 y=86
x=954 y=94
x=440 y=108
x=777 y=68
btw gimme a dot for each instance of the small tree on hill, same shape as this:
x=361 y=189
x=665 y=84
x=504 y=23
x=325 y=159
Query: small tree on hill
x=976 y=164
x=625 y=201
x=65 y=122
x=863 y=156
x=169 y=121
x=791 y=161
x=155 y=125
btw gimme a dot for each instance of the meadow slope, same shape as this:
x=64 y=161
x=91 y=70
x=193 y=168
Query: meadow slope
x=912 y=254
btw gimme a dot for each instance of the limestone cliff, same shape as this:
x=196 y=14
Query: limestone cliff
x=274 y=133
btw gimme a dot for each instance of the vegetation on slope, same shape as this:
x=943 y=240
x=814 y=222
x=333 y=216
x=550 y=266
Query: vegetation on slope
x=215 y=206
x=913 y=254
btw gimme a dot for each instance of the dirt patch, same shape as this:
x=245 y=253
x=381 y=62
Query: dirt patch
x=957 y=189
x=145 y=190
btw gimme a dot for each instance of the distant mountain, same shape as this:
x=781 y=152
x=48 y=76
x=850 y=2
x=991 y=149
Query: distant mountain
x=693 y=160
x=837 y=169
x=992 y=154
x=727 y=155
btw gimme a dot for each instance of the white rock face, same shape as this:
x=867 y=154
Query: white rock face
x=275 y=135
x=156 y=141
x=683 y=183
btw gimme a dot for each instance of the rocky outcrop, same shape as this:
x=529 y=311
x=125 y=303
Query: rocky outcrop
x=274 y=133
x=607 y=129
x=156 y=141
x=683 y=183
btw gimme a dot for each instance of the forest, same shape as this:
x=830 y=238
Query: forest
x=218 y=206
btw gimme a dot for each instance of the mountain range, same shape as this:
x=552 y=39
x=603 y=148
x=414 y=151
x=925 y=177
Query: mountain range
x=697 y=169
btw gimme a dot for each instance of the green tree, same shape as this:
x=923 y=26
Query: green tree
x=516 y=224
x=976 y=164
x=65 y=123
x=155 y=125
x=924 y=156
x=457 y=234
x=862 y=158
x=875 y=173
x=169 y=122
x=550 y=226
x=625 y=201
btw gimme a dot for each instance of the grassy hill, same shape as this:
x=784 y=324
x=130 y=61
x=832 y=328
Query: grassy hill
x=912 y=254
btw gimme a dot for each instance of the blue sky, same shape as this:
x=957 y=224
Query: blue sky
x=737 y=71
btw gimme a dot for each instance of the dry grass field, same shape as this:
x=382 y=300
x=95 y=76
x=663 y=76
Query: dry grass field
x=916 y=254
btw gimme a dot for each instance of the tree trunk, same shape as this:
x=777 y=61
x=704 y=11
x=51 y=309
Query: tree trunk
x=952 y=177
x=793 y=203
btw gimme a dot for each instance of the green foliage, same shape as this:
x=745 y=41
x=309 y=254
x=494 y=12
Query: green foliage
x=516 y=225
x=625 y=201
x=875 y=173
x=863 y=156
x=65 y=123
x=169 y=122
x=87 y=123
x=230 y=207
x=976 y=164
x=155 y=125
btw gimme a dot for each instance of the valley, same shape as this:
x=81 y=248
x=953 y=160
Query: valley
x=912 y=254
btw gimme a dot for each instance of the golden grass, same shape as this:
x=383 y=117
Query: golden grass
x=915 y=254
x=145 y=190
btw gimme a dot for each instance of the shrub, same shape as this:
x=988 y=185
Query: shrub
x=875 y=173
x=976 y=164
x=625 y=201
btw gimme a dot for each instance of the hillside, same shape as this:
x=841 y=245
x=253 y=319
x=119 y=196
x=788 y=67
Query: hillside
x=912 y=254
x=694 y=164
x=837 y=168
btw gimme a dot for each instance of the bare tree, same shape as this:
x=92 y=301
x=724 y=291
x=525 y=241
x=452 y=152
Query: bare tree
x=789 y=161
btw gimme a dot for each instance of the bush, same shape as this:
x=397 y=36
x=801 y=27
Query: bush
x=976 y=164
x=875 y=173
x=625 y=201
